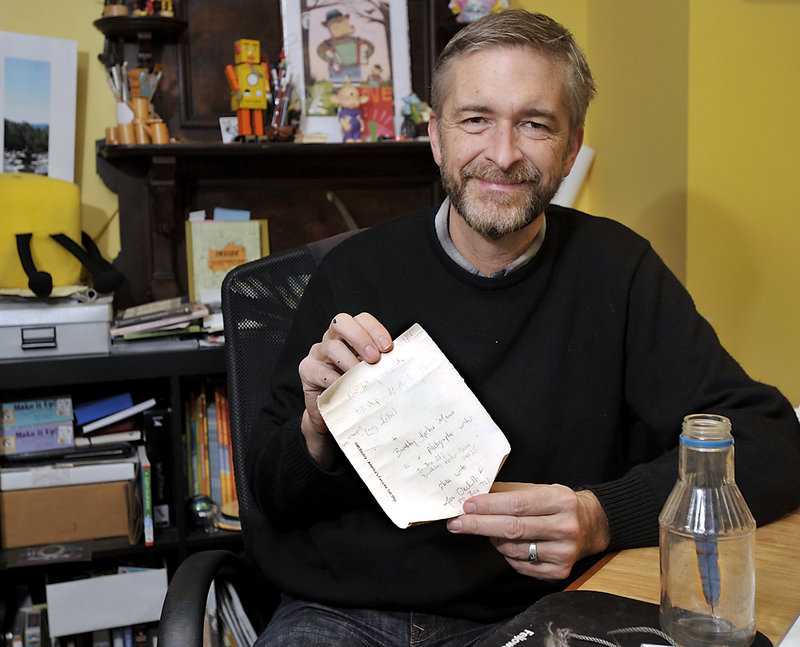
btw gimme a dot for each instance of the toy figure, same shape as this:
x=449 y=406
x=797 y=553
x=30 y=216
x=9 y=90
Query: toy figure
x=469 y=10
x=344 y=52
x=166 y=8
x=248 y=82
x=349 y=100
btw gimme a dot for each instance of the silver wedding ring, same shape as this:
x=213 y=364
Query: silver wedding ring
x=533 y=555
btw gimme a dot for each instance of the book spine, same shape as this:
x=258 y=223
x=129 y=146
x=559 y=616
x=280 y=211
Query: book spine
x=86 y=412
x=36 y=438
x=215 y=481
x=119 y=415
x=226 y=421
x=147 y=496
x=106 y=439
x=202 y=441
x=191 y=446
x=27 y=413
x=224 y=447
x=156 y=430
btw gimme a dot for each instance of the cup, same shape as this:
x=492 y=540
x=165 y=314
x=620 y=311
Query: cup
x=125 y=133
x=159 y=133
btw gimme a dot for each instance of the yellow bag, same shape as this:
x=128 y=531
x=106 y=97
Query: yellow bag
x=40 y=220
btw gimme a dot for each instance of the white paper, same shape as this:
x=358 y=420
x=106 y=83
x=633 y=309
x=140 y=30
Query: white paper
x=96 y=603
x=414 y=431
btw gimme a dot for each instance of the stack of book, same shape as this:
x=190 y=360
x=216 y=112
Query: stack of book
x=57 y=452
x=52 y=491
x=116 y=419
x=226 y=622
x=110 y=419
x=167 y=323
x=38 y=425
x=209 y=451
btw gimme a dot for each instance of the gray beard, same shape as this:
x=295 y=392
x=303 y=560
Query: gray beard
x=497 y=215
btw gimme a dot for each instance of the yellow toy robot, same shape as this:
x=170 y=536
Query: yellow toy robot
x=248 y=82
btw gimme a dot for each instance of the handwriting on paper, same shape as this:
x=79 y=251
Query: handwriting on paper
x=414 y=432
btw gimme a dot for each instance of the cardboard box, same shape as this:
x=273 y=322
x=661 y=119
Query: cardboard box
x=40 y=329
x=70 y=513
x=104 y=602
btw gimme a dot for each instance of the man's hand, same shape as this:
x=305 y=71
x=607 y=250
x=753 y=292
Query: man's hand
x=347 y=341
x=566 y=526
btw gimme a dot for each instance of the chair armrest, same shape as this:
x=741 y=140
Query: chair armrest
x=183 y=612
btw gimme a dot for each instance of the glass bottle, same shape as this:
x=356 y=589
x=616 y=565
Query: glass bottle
x=706 y=540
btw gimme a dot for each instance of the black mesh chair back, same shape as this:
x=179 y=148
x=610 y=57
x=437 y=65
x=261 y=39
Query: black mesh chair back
x=259 y=300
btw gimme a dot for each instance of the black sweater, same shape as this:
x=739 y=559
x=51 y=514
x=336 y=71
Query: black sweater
x=587 y=354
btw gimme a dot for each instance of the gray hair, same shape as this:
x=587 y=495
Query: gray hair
x=519 y=28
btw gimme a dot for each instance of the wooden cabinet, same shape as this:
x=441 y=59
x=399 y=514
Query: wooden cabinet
x=289 y=184
x=296 y=187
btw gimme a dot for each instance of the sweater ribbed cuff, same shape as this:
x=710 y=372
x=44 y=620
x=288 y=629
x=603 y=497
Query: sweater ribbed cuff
x=631 y=510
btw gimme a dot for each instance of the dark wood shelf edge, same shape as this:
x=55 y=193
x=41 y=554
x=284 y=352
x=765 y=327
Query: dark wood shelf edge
x=131 y=26
x=80 y=369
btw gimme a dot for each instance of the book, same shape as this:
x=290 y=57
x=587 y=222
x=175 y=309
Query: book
x=213 y=247
x=100 y=408
x=33 y=627
x=119 y=415
x=214 y=465
x=156 y=425
x=225 y=452
x=437 y=445
x=101 y=638
x=233 y=616
x=36 y=438
x=98 y=438
x=27 y=413
x=147 y=495
x=198 y=311
x=153 y=311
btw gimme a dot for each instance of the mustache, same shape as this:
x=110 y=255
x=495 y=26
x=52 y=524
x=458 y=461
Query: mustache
x=523 y=173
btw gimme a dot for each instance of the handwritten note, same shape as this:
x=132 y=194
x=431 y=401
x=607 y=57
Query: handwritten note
x=414 y=431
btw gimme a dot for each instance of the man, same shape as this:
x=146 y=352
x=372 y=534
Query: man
x=569 y=329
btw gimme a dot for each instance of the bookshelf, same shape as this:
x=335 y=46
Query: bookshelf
x=167 y=377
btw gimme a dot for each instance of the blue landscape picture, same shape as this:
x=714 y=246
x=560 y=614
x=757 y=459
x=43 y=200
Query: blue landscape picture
x=26 y=112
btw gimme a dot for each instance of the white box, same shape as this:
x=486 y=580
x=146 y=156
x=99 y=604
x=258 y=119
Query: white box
x=34 y=328
x=105 y=602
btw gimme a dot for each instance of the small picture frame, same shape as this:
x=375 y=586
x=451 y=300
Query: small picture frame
x=363 y=43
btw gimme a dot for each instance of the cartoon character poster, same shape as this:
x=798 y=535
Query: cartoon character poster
x=349 y=64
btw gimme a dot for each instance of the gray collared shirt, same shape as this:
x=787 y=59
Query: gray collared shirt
x=443 y=233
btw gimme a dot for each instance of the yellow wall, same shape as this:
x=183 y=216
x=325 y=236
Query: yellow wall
x=744 y=194
x=695 y=130
x=95 y=106
x=639 y=54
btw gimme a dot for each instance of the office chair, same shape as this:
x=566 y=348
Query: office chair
x=259 y=300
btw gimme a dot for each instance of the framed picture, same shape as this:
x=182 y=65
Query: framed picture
x=349 y=65
x=38 y=86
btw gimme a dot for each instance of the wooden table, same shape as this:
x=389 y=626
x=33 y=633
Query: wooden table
x=635 y=574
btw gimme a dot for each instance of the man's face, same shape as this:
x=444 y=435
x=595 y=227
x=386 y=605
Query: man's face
x=501 y=139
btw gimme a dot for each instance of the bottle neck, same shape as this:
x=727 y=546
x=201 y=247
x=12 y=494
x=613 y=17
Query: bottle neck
x=706 y=467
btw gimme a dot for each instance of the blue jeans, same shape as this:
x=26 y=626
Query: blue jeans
x=315 y=625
